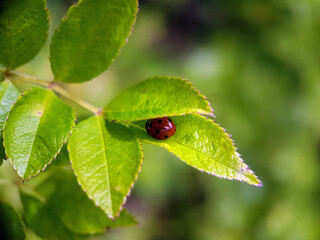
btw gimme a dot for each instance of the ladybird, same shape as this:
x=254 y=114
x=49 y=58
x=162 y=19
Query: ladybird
x=160 y=128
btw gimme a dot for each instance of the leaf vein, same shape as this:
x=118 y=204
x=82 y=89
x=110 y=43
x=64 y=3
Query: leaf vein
x=101 y=121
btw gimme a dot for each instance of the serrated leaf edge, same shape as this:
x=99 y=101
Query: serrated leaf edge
x=135 y=177
x=245 y=166
x=42 y=170
x=7 y=80
x=47 y=32
x=188 y=83
x=116 y=55
x=130 y=188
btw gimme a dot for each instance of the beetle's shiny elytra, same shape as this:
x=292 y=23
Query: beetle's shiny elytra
x=160 y=128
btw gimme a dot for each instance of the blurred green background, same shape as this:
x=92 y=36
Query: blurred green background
x=258 y=62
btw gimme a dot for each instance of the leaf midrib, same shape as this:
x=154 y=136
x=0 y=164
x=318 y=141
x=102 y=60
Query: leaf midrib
x=36 y=132
x=101 y=121
x=73 y=65
x=227 y=166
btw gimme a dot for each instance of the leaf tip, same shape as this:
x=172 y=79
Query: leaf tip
x=260 y=184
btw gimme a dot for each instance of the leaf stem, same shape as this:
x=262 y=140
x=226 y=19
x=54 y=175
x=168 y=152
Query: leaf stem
x=75 y=99
x=5 y=182
x=53 y=85
x=27 y=78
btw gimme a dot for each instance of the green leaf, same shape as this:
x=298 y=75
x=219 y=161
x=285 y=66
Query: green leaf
x=157 y=97
x=68 y=200
x=37 y=127
x=2 y=152
x=106 y=158
x=2 y=76
x=123 y=220
x=90 y=38
x=8 y=96
x=62 y=158
x=204 y=145
x=11 y=226
x=24 y=28
x=42 y=219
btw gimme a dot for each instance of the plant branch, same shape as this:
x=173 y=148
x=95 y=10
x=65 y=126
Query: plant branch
x=26 y=78
x=52 y=85
x=75 y=99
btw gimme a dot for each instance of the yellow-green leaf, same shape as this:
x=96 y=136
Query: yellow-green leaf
x=106 y=158
x=8 y=95
x=157 y=97
x=37 y=127
x=204 y=145
x=90 y=38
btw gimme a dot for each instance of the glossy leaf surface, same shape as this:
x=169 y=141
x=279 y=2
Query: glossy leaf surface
x=8 y=96
x=90 y=37
x=157 y=97
x=24 y=28
x=204 y=145
x=11 y=226
x=106 y=158
x=37 y=126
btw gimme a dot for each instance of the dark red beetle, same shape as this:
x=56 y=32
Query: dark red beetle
x=160 y=128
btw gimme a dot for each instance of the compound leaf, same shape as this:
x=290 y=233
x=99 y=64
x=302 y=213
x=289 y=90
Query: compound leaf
x=106 y=158
x=90 y=37
x=156 y=97
x=204 y=145
x=37 y=127
x=11 y=226
x=24 y=28
x=68 y=200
